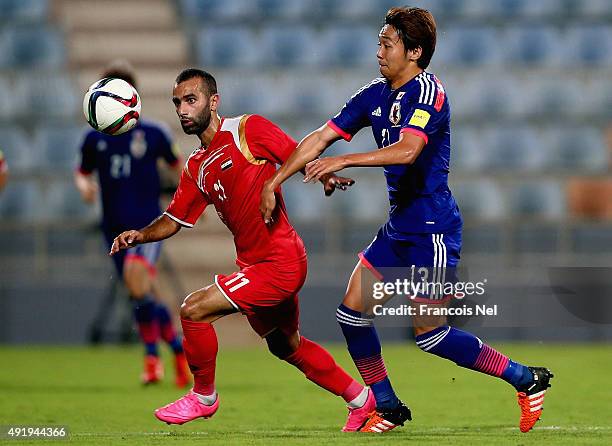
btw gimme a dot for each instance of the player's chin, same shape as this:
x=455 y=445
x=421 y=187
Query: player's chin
x=190 y=129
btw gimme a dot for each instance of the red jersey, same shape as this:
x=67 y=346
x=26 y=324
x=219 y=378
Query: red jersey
x=230 y=174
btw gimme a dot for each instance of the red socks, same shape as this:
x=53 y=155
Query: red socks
x=200 y=345
x=319 y=367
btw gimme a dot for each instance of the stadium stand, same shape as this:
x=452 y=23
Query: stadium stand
x=529 y=85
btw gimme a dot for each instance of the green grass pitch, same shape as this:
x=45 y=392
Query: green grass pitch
x=266 y=402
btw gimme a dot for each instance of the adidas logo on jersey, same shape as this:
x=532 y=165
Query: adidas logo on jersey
x=377 y=112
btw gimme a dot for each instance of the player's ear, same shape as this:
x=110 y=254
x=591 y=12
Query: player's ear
x=414 y=54
x=214 y=102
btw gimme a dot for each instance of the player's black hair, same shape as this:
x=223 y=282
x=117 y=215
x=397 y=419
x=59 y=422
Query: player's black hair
x=190 y=73
x=121 y=69
x=417 y=28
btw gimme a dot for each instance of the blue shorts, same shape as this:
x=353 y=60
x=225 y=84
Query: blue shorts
x=434 y=257
x=148 y=254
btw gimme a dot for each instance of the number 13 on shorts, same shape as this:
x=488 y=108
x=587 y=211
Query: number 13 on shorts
x=240 y=279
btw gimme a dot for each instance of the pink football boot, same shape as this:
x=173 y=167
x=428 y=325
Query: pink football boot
x=358 y=417
x=185 y=409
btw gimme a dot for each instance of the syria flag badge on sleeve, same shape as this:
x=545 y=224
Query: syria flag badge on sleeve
x=227 y=164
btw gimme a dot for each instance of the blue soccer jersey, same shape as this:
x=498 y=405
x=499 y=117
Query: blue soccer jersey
x=128 y=174
x=420 y=199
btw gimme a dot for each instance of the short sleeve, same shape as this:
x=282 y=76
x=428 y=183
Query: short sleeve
x=267 y=141
x=87 y=163
x=353 y=116
x=428 y=113
x=169 y=150
x=188 y=202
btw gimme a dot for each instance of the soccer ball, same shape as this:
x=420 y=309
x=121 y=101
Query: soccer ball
x=111 y=106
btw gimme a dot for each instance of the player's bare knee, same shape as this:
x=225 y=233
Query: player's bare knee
x=191 y=309
x=135 y=289
x=136 y=280
x=198 y=306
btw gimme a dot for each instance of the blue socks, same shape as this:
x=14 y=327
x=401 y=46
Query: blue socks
x=166 y=328
x=364 y=347
x=144 y=311
x=466 y=350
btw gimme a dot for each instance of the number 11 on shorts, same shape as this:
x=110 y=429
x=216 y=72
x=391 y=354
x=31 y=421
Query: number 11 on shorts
x=238 y=276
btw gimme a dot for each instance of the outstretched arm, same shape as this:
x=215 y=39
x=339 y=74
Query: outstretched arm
x=405 y=151
x=161 y=228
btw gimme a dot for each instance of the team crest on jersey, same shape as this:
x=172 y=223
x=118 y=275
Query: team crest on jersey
x=227 y=164
x=101 y=146
x=138 y=144
x=395 y=115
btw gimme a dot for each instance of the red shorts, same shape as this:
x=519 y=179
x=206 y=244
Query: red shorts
x=267 y=294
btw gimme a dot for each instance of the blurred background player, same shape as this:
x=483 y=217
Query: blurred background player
x=3 y=171
x=409 y=113
x=129 y=183
x=228 y=170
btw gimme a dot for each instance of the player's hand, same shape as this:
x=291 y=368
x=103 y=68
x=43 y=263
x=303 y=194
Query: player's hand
x=90 y=193
x=332 y=182
x=126 y=240
x=319 y=167
x=87 y=187
x=267 y=204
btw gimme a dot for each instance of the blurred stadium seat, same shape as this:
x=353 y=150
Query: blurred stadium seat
x=23 y=10
x=63 y=202
x=285 y=46
x=468 y=46
x=580 y=149
x=240 y=95
x=468 y=153
x=586 y=8
x=280 y=9
x=48 y=95
x=34 y=47
x=213 y=10
x=17 y=149
x=19 y=201
x=348 y=46
x=554 y=96
x=536 y=44
x=227 y=46
x=590 y=45
x=7 y=104
x=591 y=238
x=479 y=199
x=57 y=146
x=538 y=199
x=514 y=149
x=305 y=202
x=367 y=200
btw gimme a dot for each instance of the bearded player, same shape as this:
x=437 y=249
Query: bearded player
x=409 y=113
x=236 y=156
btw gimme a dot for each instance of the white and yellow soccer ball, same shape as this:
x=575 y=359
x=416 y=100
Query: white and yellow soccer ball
x=112 y=106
